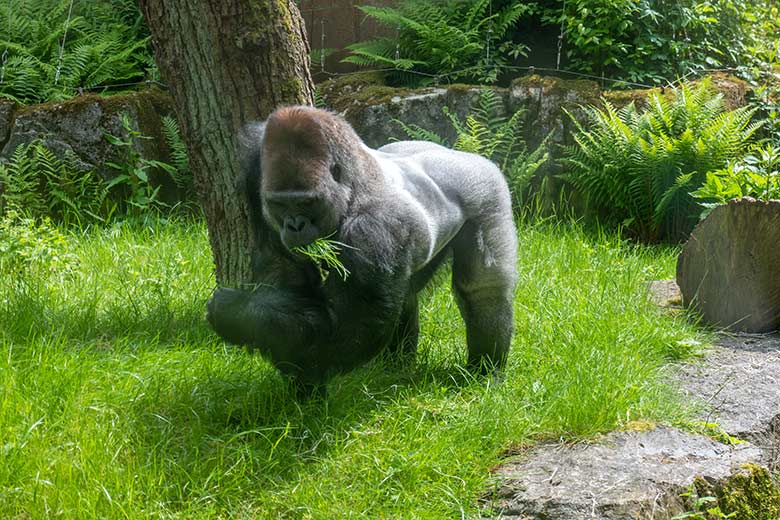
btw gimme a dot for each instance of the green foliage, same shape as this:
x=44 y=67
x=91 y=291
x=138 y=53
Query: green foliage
x=704 y=508
x=324 y=252
x=459 y=39
x=30 y=247
x=180 y=160
x=490 y=133
x=653 y=40
x=106 y=42
x=761 y=65
x=37 y=184
x=637 y=168
x=113 y=385
x=752 y=493
x=134 y=170
x=756 y=175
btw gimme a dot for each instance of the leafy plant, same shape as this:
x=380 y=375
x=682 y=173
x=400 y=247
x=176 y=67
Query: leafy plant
x=637 y=168
x=36 y=183
x=133 y=172
x=761 y=65
x=756 y=175
x=30 y=246
x=50 y=55
x=704 y=508
x=457 y=39
x=652 y=40
x=490 y=133
x=180 y=160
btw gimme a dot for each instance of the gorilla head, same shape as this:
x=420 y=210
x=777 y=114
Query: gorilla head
x=401 y=210
x=309 y=182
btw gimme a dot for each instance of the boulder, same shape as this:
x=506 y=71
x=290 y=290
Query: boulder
x=728 y=268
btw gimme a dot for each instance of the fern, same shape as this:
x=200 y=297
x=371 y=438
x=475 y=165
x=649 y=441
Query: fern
x=637 y=169
x=106 y=44
x=180 y=161
x=38 y=184
x=449 y=39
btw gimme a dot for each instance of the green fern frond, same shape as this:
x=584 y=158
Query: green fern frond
x=640 y=167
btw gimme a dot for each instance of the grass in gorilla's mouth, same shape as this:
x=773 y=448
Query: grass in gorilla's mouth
x=117 y=400
x=324 y=252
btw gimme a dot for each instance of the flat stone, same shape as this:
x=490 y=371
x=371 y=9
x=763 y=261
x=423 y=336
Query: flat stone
x=738 y=385
x=633 y=475
x=627 y=475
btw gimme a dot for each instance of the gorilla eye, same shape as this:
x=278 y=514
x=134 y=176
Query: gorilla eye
x=335 y=172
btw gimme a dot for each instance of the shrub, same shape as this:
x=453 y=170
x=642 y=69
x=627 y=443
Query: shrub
x=653 y=40
x=457 y=39
x=495 y=136
x=637 y=168
x=756 y=175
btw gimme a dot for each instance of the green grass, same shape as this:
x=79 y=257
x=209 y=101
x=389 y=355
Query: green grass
x=116 y=401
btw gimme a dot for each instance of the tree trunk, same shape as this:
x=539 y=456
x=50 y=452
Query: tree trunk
x=226 y=63
x=728 y=268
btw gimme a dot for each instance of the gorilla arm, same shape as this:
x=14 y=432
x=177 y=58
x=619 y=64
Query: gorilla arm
x=312 y=333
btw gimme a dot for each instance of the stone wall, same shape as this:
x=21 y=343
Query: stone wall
x=372 y=109
x=80 y=124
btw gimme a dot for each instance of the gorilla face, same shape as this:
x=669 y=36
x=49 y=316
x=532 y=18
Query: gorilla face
x=300 y=217
x=302 y=192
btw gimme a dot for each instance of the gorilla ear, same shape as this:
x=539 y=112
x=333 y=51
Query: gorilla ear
x=335 y=172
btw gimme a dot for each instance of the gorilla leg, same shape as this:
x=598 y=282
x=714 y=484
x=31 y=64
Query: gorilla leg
x=483 y=279
x=403 y=344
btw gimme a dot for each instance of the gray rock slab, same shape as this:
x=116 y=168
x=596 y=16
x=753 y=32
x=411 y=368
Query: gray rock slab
x=626 y=475
x=737 y=383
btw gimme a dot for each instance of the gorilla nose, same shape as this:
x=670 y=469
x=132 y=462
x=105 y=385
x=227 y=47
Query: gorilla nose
x=296 y=224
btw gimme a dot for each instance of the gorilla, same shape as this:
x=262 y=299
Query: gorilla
x=400 y=211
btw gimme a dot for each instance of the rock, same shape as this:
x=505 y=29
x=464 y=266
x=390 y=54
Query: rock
x=79 y=125
x=738 y=387
x=632 y=475
x=665 y=293
x=7 y=110
x=372 y=110
x=728 y=268
x=627 y=475
x=546 y=100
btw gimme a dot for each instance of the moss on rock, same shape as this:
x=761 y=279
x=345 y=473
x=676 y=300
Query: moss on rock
x=555 y=86
x=749 y=494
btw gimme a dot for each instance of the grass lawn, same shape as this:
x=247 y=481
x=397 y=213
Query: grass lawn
x=116 y=400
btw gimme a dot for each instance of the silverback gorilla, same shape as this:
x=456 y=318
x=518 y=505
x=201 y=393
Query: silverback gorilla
x=400 y=210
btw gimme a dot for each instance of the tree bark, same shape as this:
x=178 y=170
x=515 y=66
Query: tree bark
x=226 y=63
x=728 y=268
